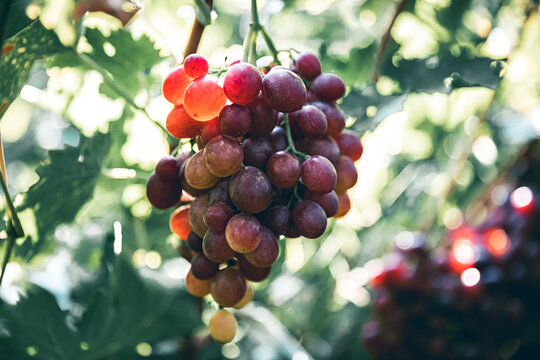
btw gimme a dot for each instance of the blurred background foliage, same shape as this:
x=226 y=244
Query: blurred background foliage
x=443 y=110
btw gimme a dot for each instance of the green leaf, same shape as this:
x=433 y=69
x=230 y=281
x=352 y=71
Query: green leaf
x=203 y=12
x=126 y=59
x=429 y=74
x=140 y=310
x=19 y=53
x=122 y=309
x=66 y=183
x=37 y=322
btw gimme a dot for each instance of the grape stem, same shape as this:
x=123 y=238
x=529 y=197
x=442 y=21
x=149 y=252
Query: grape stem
x=250 y=42
x=290 y=142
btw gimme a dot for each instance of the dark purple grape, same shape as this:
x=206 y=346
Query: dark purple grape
x=318 y=174
x=195 y=242
x=267 y=252
x=278 y=139
x=334 y=117
x=216 y=215
x=346 y=174
x=228 y=287
x=309 y=218
x=263 y=117
x=235 y=120
x=185 y=250
x=243 y=233
x=257 y=150
x=168 y=168
x=250 y=190
x=252 y=273
x=196 y=211
x=216 y=248
x=223 y=155
x=311 y=122
x=308 y=65
x=328 y=87
x=325 y=146
x=220 y=192
x=276 y=219
x=202 y=268
x=161 y=193
x=328 y=201
x=350 y=145
x=284 y=90
x=283 y=169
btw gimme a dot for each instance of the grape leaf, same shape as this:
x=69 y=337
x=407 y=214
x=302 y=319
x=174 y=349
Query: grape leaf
x=122 y=309
x=37 y=321
x=127 y=60
x=66 y=183
x=19 y=53
x=429 y=74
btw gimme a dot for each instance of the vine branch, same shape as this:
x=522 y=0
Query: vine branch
x=196 y=34
x=386 y=39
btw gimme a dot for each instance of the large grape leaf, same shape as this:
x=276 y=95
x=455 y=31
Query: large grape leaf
x=122 y=309
x=66 y=183
x=429 y=75
x=37 y=323
x=126 y=59
x=19 y=53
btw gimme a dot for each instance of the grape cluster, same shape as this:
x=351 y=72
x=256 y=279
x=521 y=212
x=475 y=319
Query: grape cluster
x=474 y=298
x=273 y=159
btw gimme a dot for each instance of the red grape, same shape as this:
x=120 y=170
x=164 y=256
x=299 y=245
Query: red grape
x=334 y=117
x=267 y=252
x=197 y=173
x=202 y=268
x=217 y=214
x=216 y=248
x=194 y=241
x=263 y=117
x=196 y=66
x=243 y=233
x=168 y=168
x=175 y=84
x=223 y=155
x=228 y=287
x=311 y=122
x=277 y=219
x=180 y=125
x=252 y=273
x=198 y=206
x=242 y=83
x=209 y=130
x=346 y=174
x=161 y=193
x=344 y=205
x=325 y=146
x=318 y=174
x=284 y=90
x=350 y=145
x=179 y=222
x=308 y=65
x=278 y=139
x=328 y=87
x=283 y=169
x=250 y=190
x=204 y=99
x=257 y=150
x=235 y=120
x=328 y=201
x=309 y=218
